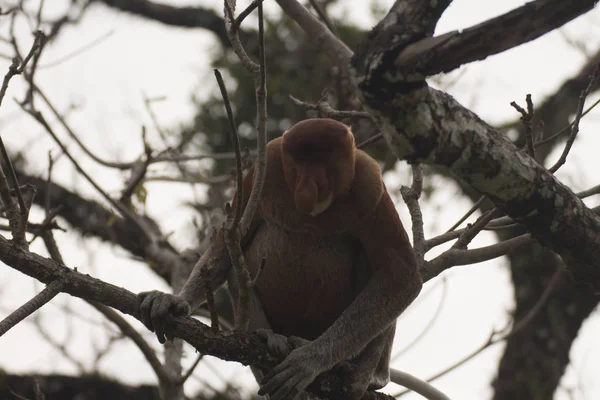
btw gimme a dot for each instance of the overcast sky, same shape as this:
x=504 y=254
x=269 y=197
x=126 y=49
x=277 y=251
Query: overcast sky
x=136 y=58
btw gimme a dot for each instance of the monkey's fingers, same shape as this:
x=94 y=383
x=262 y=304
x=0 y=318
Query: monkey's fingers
x=290 y=377
x=160 y=316
x=282 y=386
x=145 y=301
x=181 y=309
x=277 y=344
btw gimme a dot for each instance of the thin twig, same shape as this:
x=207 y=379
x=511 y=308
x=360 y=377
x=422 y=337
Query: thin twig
x=49 y=292
x=124 y=211
x=11 y=209
x=427 y=328
x=233 y=135
x=23 y=209
x=260 y=171
x=325 y=110
x=527 y=117
x=247 y=11
x=566 y=128
x=498 y=223
x=455 y=257
x=575 y=128
x=493 y=339
x=73 y=135
x=462 y=219
x=231 y=232
x=411 y=198
x=234 y=38
x=138 y=172
x=129 y=331
x=78 y=51
x=372 y=139
x=17 y=67
x=190 y=371
x=473 y=230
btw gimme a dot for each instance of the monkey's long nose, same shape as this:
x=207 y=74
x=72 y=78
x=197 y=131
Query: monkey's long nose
x=306 y=195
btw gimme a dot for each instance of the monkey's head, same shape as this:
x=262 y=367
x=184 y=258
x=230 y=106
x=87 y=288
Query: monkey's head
x=318 y=163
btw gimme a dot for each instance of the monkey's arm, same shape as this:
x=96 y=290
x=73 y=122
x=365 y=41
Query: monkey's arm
x=158 y=308
x=394 y=285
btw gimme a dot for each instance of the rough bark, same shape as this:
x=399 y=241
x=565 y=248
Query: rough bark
x=536 y=357
x=244 y=347
x=428 y=126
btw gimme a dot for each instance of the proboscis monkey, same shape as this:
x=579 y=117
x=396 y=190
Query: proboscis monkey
x=339 y=266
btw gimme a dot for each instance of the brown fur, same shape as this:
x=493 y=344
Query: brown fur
x=317 y=266
x=339 y=278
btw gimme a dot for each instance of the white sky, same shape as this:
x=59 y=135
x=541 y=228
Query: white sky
x=107 y=84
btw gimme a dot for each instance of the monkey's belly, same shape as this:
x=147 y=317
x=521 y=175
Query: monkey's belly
x=307 y=281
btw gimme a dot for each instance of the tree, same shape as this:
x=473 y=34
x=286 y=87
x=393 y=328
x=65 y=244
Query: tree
x=420 y=124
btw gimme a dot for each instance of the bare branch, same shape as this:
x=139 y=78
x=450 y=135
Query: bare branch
x=493 y=337
x=526 y=117
x=454 y=257
x=190 y=371
x=130 y=332
x=240 y=18
x=326 y=111
x=238 y=155
x=369 y=141
x=17 y=67
x=444 y=53
x=473 y=230
x=260 y=173
x=337 y=50
x=73 y=135
x=462 y=219
x=575 y=128
x=236 y=44
x=240 y=346
x=186 y=17
x=31 y=306
x=411 y=198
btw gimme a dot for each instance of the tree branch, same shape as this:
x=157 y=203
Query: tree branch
x=449 y=51
x=424 y=125
x=185 y=17
x=240 y=346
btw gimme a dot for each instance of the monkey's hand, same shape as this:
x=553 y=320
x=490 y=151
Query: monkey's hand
x=289 y=378
x=279 y=344
x=157 y=310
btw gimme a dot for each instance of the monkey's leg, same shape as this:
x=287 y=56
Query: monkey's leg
x=364 y=370
x=258 y=321
x=382 y=372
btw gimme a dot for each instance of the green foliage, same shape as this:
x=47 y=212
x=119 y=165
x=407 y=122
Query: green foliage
x=296 y=66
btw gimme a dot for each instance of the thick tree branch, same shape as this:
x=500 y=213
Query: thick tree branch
x=424 y=125
x=240 y=346
x=444 y=53
x=185 y=17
